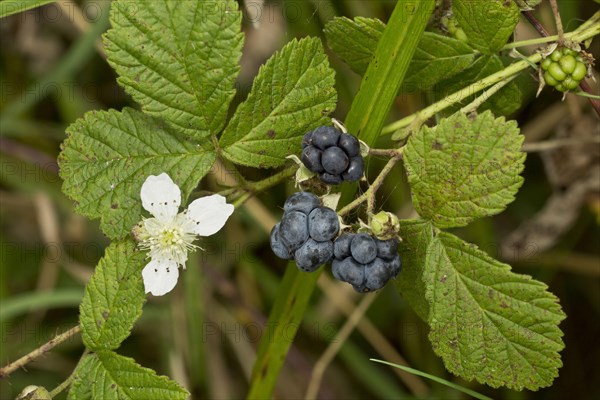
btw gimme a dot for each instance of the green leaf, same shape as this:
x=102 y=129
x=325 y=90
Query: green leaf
x=83 y=378
x=113 y=297
x=109 y=154
x=178 y=59
x=487 y=322
x=112 y=376
x=416 y=236
x=354 y=41
x=505 y=102
x=488 y=24
x=465 y=168
x=437 y=57
x=292 y=94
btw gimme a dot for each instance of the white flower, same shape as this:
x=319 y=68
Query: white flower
x=169 y=235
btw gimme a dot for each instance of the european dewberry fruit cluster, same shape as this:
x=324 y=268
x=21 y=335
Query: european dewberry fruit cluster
x=306 y=232
x=333 y=155
x=564 y=69
x=364 y=261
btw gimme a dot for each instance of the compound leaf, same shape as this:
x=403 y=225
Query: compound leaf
x=465 y=168
x=109 y=154
x=113 y=376
x=113 y=297
x=488 y=24
x=487 y=322
x=178 y=59
x=292 y=93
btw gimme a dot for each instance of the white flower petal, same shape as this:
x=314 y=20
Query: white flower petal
x=160 y=276
x=207 y=215
x=161 y=197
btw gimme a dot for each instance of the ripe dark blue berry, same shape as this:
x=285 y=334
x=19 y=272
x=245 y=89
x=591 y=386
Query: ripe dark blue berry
x=279 y=248
x=306 y=232
x=364 y=261
x=348 y=270
x=325 y=136
x=307 y=139
x=293 y=229
x=377 y=274
x=355 y=169
x=313 y=254
x=363 y=248
x=301 y=201
x=387 y=249
x=323 y=224
x=311 y=158
x=331 y=179
x=349 y=144
x=341 y=246
x=334 y=160
x=333 y=155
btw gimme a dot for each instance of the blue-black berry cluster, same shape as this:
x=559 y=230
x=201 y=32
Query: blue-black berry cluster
x=333 y=155
x=364 y=261
x=306 y=232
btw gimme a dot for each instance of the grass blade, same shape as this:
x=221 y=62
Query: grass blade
x=434 y=378
x=10 y=7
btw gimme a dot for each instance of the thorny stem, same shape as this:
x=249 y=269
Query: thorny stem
x=385 y=152
x=369 y=195
x=535 y=23
x=586 y=31
x=559 y=27
x=43 y=349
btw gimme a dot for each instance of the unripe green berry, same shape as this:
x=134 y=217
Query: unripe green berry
x=560 y=87
x=579 y=72
x=568 y=63
x=569 y=83
x=385 y=225
x=557 y=72
x=549 y=79
x=546 y=63
x=34 y=393
x=556 y=55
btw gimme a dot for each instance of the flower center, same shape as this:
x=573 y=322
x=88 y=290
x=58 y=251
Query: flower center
x=169 y=241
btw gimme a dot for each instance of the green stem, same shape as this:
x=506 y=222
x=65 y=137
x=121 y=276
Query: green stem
x=428 y=112
x=486 y=95
x=369 y=195
x=530 y=42
x=273 y=180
